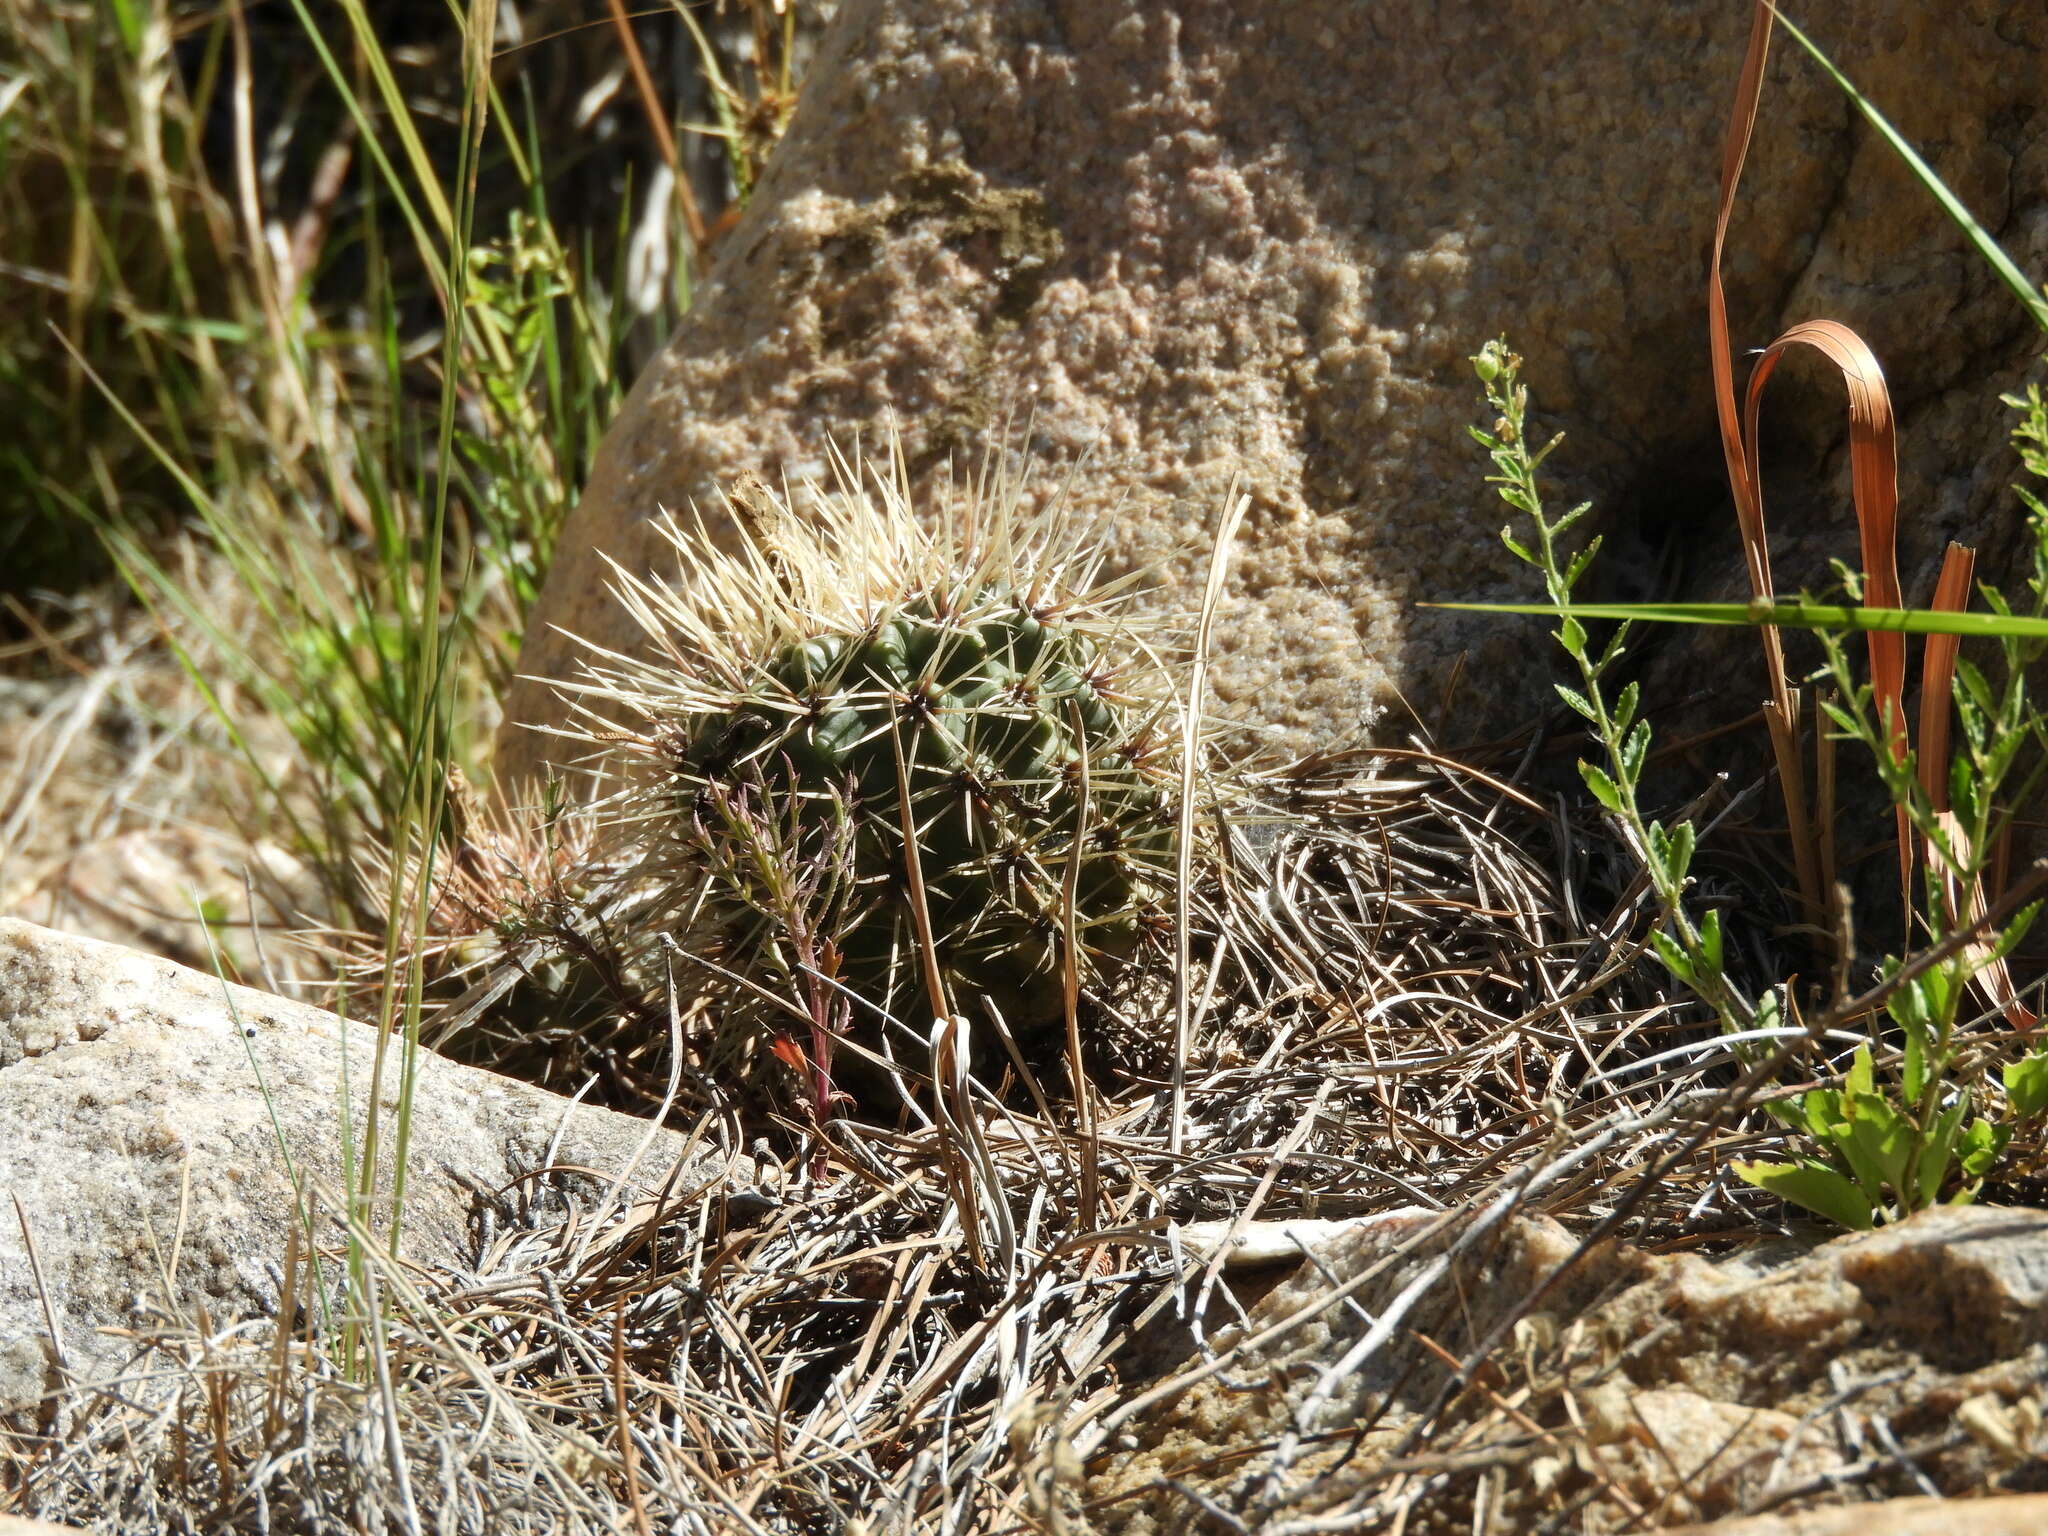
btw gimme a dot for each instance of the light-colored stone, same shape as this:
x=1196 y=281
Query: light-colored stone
x=14 y=1525
x=2022 y=1514
x=1202 y=239
x=1678 y=1451
x=1658 y=1390
x=147 y=1115
x=1258 y=1400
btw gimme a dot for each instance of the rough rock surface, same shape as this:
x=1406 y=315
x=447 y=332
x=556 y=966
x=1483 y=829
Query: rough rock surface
x=1204 y=239
x=141 y=1113
x=2024 y=1514
x=1642 y=1391
x=14 y=1525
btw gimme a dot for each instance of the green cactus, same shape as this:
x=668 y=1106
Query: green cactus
x=992 y=708
x=846 y=677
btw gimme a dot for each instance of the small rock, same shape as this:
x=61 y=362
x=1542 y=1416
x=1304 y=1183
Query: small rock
x=190 y=894
x=1654 y=1390
x=2023 y=1514
x=14 y=1525
x=152 y=1120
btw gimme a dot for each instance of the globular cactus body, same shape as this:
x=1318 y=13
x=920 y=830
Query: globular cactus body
x=856 y=730
x=985 y=721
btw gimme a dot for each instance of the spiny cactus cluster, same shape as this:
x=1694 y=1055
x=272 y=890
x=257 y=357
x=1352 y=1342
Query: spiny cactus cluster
x=971 y=725
x=882 y=767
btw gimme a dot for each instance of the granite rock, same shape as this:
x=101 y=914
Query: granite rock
x=149 y=1115
x=1195 y=240
x=1637 y=1391
x=2021 y=1514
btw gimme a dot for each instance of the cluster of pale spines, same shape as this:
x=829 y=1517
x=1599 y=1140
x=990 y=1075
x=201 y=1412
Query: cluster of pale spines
x=842 y=716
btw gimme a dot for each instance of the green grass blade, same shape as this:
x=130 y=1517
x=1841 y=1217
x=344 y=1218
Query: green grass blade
x=1905 y=621
x=1988 y=248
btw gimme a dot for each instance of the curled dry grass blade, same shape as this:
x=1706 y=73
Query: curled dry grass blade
x=1874 y=488
x=1873 y=455
x=1872 y=449
x=1938 y=673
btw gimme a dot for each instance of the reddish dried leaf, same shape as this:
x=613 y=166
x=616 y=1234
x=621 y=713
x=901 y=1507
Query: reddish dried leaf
x=1938 y=673
x=1874 y=487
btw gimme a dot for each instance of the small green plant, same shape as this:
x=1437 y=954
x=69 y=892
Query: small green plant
x=1888 y=1141
x=1903 y=1130
x=1897 y=1142
x=1691 y=948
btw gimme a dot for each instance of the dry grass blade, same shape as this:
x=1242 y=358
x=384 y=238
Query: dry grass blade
x=1992 y=976
x=657 y=123
x=1873 y=452
x=1938 y=673
x=1405 y=1016
x=1874 y=488
x=1235 y=507
x=1781 y=709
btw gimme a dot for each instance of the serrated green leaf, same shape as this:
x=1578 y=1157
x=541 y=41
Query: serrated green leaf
x=2015 y=930
x=1770 y=1008
x=1615 y=648
x=1603 y=788
x=1635 y=749
x=1679 y=851
x=1674 y=957
x=1579 y=703
x=1582 y=559
x=1625 y=707
x=1710 y=950
x=1971 y=687
x=1844 y=721
x=1907 y=1005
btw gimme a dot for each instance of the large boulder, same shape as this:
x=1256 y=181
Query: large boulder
x=1198 y=239
x=159 y=1128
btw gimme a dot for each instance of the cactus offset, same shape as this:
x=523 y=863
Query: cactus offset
x=837 y=681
